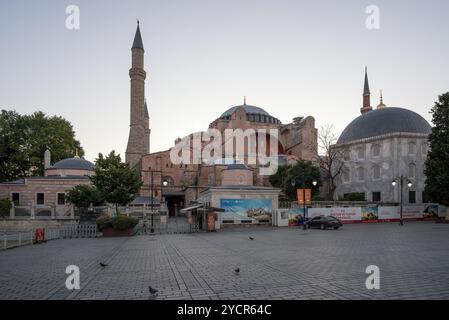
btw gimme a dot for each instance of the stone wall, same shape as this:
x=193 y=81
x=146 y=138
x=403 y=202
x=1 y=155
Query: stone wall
x=50 y=187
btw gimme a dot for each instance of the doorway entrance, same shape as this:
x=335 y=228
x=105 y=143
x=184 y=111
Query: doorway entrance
x=175 y=202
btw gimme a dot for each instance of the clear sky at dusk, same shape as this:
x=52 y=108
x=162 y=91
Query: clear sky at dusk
x=290 y=58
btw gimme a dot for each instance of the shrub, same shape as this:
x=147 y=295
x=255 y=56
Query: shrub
x=124 y=222
x=119 y=223
x=354 y=196
x=5 y=207
x=104 y=222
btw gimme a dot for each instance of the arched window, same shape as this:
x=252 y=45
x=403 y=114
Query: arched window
x=376 y=172
x=424 y=148
x=361 y=153
x=346 y=154
x=170 y=181
x=411 y=147
x=360 y=174
x=346 y=176
x=411 y=170
x=375 y=150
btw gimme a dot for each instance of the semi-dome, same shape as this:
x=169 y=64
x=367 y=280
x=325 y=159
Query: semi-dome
x=74 y=163
x=383 y=121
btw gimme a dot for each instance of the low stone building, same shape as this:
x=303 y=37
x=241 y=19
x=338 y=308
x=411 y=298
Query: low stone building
x=240 y=200
x=36 y=197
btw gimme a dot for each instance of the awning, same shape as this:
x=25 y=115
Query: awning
x=202 y=208
x=185 y=210
x=212 y=209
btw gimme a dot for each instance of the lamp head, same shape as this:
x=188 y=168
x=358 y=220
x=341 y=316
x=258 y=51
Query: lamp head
x=293 y=182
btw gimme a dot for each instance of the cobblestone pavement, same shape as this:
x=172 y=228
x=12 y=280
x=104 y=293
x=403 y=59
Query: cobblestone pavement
x=278 y=264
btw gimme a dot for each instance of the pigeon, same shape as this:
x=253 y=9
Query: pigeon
x=103 y=264
x=237 y=271
x=251 y=238
x=152 y=290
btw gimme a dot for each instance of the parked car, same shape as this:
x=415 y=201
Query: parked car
x=324 y=222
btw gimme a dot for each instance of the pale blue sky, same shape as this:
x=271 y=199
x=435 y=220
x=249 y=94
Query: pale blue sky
x=289 y=57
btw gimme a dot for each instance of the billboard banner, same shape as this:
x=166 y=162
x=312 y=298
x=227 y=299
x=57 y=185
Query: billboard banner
x=249 y=210
x=376 y=213
x=295 y=216
x=345 y=214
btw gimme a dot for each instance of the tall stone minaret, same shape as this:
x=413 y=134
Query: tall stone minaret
x=366 y=95
x=147 y=129
x=138 y=141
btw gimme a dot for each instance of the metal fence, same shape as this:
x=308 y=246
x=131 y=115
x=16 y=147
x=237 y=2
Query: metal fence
x=172 y=225
x=79 y=231
x=17 y=239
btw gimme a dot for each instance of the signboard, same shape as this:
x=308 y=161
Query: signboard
x=254 y=210
x=295 y=216
x=210 y=222
x=308 y=194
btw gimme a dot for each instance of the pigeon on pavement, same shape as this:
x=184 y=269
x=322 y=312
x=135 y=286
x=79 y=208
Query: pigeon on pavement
x=152 y=290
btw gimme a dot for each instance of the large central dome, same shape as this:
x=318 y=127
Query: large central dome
x=248 y=109
x=253 y=114
x=383 y=121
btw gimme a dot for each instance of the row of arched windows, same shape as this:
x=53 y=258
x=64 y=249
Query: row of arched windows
x=376 y=148
x=375 y=173
x=255 y=117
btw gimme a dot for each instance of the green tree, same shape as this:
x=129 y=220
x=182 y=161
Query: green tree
x=5 y=207
x=53 y=133
x=24 y=139
x=82 y=196
x=116 y=181
x=286 y=174
x=14 y=161
x=437 y=168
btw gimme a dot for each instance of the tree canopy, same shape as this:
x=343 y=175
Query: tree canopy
x=115 y=180
x=24 y=139
x=437 y=167
x=287 y=174
x=82 y=196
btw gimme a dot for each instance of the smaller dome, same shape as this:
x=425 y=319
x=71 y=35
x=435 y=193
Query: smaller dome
x=384 y=121
x=74 y=163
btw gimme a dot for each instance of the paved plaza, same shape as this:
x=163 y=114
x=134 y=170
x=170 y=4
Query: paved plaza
x=280 y=263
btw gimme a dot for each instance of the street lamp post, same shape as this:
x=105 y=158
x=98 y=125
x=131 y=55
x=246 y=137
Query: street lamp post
x=401 y=186
x=164 y=183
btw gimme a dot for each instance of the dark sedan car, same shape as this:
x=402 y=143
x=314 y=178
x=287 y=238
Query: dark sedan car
x=324 y=222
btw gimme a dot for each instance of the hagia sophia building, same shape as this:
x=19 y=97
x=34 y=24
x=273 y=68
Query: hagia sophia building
x=183 y=182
